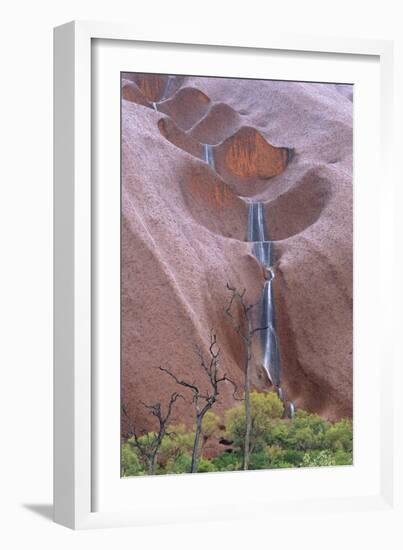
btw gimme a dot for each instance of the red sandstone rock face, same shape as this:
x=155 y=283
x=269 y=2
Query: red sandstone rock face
x=246 y=159
x=187 y=107
x=131 y=92
x=184 y=229
x=178 y=137
x=219 y=123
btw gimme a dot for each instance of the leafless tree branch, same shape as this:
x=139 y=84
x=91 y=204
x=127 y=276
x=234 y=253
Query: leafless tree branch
x=204 y=400
x=149 y=449
x=244 y=327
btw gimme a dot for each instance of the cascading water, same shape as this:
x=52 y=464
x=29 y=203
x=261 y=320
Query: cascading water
x=209 y=155
x=262 y=250
x=256 y=226
x=165 y=94
x=271 y=356
x=168 y=88
x=291 y=409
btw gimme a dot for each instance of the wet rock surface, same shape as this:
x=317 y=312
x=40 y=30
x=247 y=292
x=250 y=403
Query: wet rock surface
x=184 y=234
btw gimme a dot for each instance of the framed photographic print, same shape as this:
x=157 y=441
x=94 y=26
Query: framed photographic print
x=217 y=215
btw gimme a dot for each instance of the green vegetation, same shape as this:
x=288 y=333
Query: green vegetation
x=266 y=411
x=305 y=441
x=130 y=463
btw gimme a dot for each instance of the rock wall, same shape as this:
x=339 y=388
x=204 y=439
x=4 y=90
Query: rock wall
x=288 y=145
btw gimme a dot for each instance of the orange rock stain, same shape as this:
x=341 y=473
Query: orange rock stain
x=249 y=154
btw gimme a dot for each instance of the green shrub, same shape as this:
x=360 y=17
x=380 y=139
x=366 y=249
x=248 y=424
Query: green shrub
x=265 y=409
x=343 y=458
x=279 y=434
x=318 y=458
x=179 y=465
x=130 y=463
x=304 y=432
x=210 y=425
x=294 y=458
x=205 y=465
x=340 y=436
x=227 y=462
x=264 y=460
x=259 y=461
x=282 y=458
x=178 y=442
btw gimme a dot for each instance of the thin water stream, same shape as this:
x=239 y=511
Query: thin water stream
x=167 y=92
x=209 y=155
x=168 y=88
x=263 y=251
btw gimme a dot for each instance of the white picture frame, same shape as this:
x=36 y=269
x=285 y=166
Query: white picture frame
x=75 y=391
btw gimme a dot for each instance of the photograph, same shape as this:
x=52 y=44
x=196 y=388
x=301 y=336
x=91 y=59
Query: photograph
x=236 y=264
x=194 y=204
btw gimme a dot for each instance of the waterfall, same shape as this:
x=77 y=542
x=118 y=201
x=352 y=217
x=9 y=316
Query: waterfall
x=269 y=341
x=263 y=251
x=291 y=410
x=256 y=225
x=209 y=155
x=165 y=94
x=168 y=88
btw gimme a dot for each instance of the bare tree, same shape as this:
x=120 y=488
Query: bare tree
x=243 y=324
x=204 y=401
x=148 y=444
